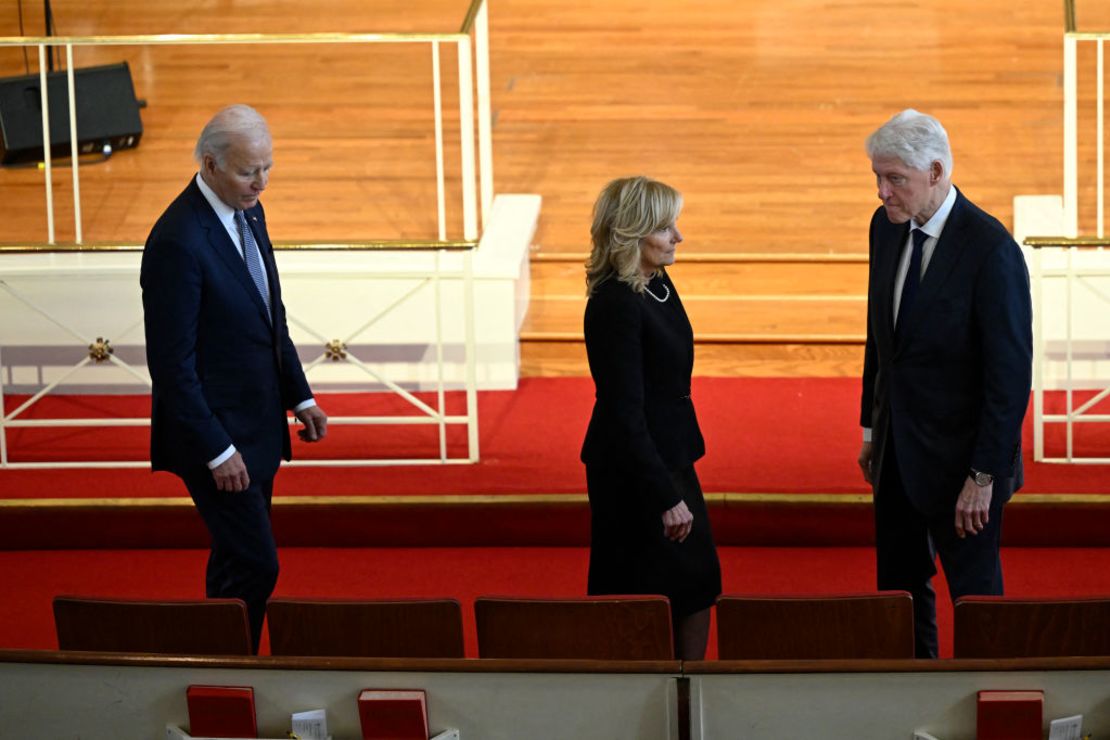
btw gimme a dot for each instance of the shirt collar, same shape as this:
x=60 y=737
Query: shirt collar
x=935 y=225
x=224 y=212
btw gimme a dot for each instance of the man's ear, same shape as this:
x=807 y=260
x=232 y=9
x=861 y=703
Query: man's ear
x=936 y=172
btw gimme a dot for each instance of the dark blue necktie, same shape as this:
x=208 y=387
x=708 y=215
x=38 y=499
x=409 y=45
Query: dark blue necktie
x=913 y=275
x=254 y=265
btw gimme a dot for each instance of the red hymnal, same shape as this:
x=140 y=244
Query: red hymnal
x=221 y=711
x=393 y=714
x=1010 y=715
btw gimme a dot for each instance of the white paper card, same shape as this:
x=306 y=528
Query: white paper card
x=311 y=725
x=1066 y=728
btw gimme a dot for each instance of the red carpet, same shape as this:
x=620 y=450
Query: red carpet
x=780 y=471
x=789 y=435
x=32 y=579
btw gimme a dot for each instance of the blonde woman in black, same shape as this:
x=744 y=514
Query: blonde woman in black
x=650 y=531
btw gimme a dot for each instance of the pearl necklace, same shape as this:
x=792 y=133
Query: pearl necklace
x=664 y=298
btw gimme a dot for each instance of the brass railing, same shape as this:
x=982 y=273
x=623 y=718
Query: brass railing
x=1079 y=242
x=729 y=257
x=473 y=79
x=417 y=245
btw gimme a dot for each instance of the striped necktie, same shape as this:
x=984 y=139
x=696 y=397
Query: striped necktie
x=250 y=254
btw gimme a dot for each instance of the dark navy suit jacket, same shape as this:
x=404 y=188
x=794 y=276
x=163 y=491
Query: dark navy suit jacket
x=952 y=387
x=223 y=373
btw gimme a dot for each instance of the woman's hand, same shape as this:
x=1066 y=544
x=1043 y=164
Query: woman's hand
x=677 y=522
x=865 y=459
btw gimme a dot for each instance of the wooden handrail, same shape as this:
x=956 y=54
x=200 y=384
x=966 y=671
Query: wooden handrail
x=403 y=665
x=498 y=665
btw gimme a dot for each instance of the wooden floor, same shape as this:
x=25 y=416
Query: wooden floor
x=755 y=109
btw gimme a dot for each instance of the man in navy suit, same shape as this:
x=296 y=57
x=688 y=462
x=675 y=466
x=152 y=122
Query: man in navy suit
x=223 y=367
x=946 y=376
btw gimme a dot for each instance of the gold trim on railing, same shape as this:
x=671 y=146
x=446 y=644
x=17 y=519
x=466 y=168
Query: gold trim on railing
x=161 y=39
x=471 y=14
x=385 y=245
x=725 y=257
x=1083 y=242
x=322 y=246
x=1070 y=26
x=720 y=338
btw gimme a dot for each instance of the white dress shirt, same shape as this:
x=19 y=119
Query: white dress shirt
x=226 y=215
x=933 y=227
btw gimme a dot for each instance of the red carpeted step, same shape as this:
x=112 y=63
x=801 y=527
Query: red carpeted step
x=780 y=470
x=790 y=435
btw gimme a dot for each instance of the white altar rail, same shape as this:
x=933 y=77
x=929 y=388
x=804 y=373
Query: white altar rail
x=1070 y=274
x=104 y=292
x=366 y=317
x=1076 y=269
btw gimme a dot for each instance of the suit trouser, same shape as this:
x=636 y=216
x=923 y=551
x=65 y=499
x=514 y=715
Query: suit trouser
x=243 y=562
x=907 y=543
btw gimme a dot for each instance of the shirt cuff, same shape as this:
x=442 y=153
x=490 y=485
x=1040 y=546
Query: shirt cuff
x=304 y=405
x=867 y=434
x=224 y=457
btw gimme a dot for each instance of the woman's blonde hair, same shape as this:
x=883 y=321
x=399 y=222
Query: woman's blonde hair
x=627 y=210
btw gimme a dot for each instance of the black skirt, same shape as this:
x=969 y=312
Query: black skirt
x=629 y=553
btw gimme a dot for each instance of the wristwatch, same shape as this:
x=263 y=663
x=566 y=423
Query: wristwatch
x=981 y=479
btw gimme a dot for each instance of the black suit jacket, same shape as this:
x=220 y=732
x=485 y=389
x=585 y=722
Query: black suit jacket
x=223 y=373
x=951 y=389
x=641 y=355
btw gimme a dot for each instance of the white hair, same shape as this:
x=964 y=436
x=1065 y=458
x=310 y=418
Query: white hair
x=916 y=138
x=231 y=123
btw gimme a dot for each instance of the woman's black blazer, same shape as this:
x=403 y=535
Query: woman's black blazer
x=641 y=355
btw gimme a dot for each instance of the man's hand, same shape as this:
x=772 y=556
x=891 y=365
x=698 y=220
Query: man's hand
x=865 y=461
x=315 y=424
x=973 y=508
x=231 y=475
x=677 y=522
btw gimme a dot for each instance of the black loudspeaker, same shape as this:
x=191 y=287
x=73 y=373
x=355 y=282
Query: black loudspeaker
x=107 y=113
